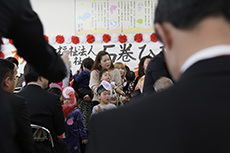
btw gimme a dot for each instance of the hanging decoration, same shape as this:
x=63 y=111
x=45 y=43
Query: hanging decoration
x=60 y=39
x=97 y=38
x=122 y=38
x=75 y=39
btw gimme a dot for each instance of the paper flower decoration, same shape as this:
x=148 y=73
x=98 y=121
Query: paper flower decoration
x=154 y=37
x=106 y=38
x=122 y=38
x=90 y=38
x=46 y=38
x=2 y=42
x=2 y=55
x=75 y=39
x=138 y=37
x=11 y=41
x=60 y=39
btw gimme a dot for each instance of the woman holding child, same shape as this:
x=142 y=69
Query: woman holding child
x=103 y=61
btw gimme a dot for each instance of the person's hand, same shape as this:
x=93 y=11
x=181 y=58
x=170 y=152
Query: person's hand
x=113 y=101
x=124 y=99
x=99 y=109
x=86 y=98
x=65 y=58
x=85 y=141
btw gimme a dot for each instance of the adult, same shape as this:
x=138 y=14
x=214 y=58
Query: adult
x=139 y=82
x=103 y=61
x=193 y=115
x=21 y=24
x=157 y=68
x=18 y=109
x=44 y=108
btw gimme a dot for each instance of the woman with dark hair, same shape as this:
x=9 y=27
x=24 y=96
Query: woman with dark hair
x=103 y=61
x=139 y=83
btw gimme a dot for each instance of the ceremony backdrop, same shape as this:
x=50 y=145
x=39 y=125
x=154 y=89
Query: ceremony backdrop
x=123 y=28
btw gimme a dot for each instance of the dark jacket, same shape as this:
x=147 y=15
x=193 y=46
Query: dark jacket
x=45 y=110
x=191 y=116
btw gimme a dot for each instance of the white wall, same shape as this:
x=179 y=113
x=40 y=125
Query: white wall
x=57 y=16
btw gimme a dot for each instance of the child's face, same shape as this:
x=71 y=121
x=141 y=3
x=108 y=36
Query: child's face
x=106 y=76
x=104 y=97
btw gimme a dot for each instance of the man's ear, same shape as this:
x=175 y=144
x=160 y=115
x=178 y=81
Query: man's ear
x=6 y=82
x=165 y=35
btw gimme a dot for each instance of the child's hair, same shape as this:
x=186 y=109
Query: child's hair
x=122 y=66
x=100 y=89
x=102 y=72
x=88 y=63
x=130 y=76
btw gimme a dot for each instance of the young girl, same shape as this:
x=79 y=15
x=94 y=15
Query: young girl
x=121 y=68
x=115 y=92
x=103 y=61
x=103 y=93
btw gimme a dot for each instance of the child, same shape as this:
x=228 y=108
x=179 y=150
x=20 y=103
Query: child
x=105 y=75
x=75 y=127
x=103 y=93
x=81 y=80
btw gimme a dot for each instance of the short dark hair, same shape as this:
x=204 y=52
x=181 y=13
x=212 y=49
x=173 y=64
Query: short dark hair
x=30 y=74
x=130 y=76
x=100 y=89
x=186 y=14
x=6 y=69
x=88 y=63
x=102 y=72
x=13 y=60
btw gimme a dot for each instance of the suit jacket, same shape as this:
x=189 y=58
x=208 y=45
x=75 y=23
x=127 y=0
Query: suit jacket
x=156 y=68
x=45 y=110
x=192 y=116
x=7 y=128
x=21 y=24
x=23 y=135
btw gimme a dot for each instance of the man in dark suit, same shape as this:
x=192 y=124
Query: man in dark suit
x=23 y=133
x=21 y=24
x=44 y=108
x=156 y=68
x=193 y=115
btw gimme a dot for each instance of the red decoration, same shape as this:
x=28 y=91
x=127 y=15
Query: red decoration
x=46 y=38
x=2 y=42
x=106 y=38
x=122 y=38
x=60 y=39
x=138 y=37
x=154 y=37
x=90 y=38
x=11 y=41
x=2 y=55
x=75 y=39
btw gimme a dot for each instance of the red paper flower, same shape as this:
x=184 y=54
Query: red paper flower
x=2 y=42
x=106 y=38
x=46 y=38
x=75 y=39
x=154 y=37
x=2 y=55
x=60 y=39
x=11 y=41
x=90 y=38
x=138 y=37
x=122 y=38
